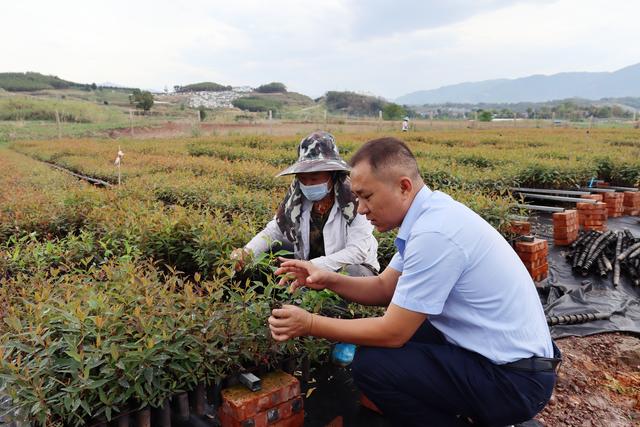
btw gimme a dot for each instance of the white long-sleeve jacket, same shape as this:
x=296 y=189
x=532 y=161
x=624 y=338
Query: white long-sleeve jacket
x=343 y=244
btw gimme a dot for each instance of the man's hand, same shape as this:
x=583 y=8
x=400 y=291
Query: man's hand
x=241 y=256
x=289 y=322
x=302 y=273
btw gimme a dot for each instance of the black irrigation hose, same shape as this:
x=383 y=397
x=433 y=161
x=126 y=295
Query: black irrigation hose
x=572 y=319
x=594 y=252
x=631 y=249
x=600 y=253
x=616 y=266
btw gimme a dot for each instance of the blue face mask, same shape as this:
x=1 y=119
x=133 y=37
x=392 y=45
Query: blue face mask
x=315 y=192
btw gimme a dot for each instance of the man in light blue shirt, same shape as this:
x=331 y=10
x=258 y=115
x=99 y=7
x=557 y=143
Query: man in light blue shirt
x=464 y=337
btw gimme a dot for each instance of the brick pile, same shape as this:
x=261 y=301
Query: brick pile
x=592 y=216
x=520 y=228
x=631 y=203
x=614 y=201
x=565 y=227
x=534 y=256
x=277 y=404
x=596 y=197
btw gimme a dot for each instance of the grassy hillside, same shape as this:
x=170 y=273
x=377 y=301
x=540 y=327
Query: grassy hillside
x=279 y=103
x=31 y=108
x=25 y=82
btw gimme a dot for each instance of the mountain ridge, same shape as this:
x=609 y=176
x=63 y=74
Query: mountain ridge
x=624 y=82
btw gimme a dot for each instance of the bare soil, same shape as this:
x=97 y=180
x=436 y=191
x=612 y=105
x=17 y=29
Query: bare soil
x=598 y=383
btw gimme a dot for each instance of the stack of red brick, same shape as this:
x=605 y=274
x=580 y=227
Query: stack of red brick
x=631 y=203
x=277 y=404
x=614 y=201
x=565 y=227
x=596 y=197
x=592 y=216
x=534 y=256
x=520 y=228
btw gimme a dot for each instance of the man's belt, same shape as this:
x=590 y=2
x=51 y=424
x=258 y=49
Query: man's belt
x=535 y=364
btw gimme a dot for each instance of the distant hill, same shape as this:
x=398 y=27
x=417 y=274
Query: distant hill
x=202 y=87
x=30 y=81
x=537 y=88
x=352 y=103
x=24 y=82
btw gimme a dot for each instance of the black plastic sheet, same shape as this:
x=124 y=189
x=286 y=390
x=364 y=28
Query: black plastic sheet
x=565 y=292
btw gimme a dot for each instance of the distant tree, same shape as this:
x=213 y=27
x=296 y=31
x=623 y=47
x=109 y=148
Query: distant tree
x=273 y=87
x=202 y=112
x=143 y=100
x=393 y=111
x=94 y=86
x=485 y=116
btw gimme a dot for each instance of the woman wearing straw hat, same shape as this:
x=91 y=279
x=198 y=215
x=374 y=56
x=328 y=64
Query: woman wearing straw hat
x=318 y=217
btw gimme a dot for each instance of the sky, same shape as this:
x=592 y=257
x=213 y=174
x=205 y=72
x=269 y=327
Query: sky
x=387 y=48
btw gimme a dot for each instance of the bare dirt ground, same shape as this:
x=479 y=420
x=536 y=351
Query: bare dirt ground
x=598 y=383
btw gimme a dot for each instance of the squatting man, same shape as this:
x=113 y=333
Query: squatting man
x=463 y=340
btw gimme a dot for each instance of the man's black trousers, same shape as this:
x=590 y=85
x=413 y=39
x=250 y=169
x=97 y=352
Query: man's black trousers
x=430 y=382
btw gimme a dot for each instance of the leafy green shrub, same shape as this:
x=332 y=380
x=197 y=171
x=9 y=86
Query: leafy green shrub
x=254 y=104
x=202 y=87
x=273 y=87
x=353 y=104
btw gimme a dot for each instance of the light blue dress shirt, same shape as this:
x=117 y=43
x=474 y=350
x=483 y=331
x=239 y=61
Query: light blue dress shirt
x=460 y=271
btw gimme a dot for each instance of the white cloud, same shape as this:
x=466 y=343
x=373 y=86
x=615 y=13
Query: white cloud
x=389 y=48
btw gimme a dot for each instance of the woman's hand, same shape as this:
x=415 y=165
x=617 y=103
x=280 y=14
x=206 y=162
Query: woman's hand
x=302 y=273
x=241 y=256
x=290 y=322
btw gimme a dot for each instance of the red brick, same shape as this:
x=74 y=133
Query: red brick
x=597 y=197
x=567 y=223
x=535 y=246
x=631 y=211
x=521 y=228
x=568 y=237
x=295 y=420
x=285 y=415
x=539 y=273
x=565 y=229
x=277 y=387
x=532 y=265
x=632 y=199
x=591 y=206
x=564 y=242
x=611 y=195
x=533 y=256
x=602 y=227
x=568 y=214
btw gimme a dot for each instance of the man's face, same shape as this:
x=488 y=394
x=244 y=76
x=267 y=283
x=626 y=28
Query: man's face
x=381 y=201
x=312 y=178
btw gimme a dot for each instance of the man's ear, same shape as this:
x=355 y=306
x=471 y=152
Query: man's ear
x=406 y=185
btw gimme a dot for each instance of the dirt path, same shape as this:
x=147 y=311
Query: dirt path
x=598 y=384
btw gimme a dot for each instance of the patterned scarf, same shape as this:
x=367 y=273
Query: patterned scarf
x=290 y=210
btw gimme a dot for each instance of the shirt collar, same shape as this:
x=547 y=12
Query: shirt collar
x=416 y=208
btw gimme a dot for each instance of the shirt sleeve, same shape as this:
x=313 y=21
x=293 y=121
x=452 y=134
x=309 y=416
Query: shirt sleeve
x=396 y=262
x=263 y=241
x=431 y=266
x=359 y=243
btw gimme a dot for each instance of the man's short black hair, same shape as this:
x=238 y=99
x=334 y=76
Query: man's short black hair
x=386 y=153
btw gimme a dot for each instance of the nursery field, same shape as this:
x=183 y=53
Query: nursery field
x=116 y=298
